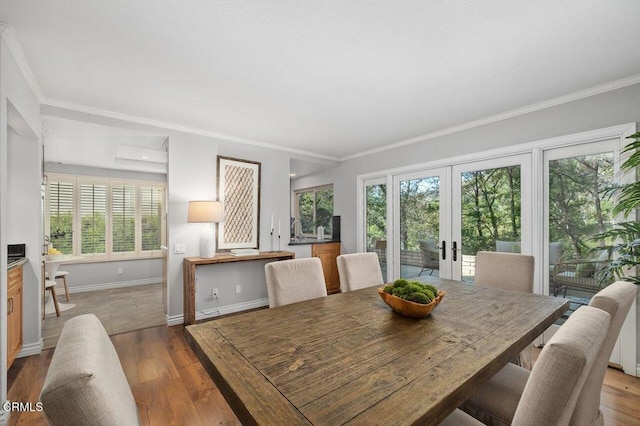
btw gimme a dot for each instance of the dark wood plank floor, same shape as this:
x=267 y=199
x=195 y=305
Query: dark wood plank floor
x=171 y=387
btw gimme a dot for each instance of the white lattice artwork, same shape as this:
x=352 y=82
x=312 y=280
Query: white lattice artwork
x=239 y=186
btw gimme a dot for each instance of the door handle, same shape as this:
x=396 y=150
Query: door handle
x=454 y=250
x=443 y=248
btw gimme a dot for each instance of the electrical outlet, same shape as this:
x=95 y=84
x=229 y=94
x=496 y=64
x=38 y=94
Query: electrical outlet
x=238 y=289
x=120 y=271
x=214 y=293
x=179 y=248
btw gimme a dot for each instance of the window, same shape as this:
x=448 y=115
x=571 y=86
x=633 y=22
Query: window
x=314 y=207
x=103 y=219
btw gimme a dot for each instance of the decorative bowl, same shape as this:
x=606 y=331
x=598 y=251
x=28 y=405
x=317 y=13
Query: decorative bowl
x=408 y=308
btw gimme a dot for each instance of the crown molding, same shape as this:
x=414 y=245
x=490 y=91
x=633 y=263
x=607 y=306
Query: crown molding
x=177 y=127
x=603 y=88
x=8 y=34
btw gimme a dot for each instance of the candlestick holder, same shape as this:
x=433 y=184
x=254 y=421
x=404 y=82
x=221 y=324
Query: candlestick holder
x=271 y=241
x=278 y=242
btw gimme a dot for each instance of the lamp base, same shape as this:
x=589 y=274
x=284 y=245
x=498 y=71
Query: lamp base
x=207 y=242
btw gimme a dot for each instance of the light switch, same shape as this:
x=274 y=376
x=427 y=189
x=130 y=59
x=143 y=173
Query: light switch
x=179 y=248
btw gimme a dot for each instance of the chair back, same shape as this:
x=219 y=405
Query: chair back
x=508 y=271
x=557 y=378
x=290 y=281
x=359 y=270
x=85 y=383
x=615 y=299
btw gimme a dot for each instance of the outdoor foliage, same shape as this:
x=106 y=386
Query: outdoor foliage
x=376 y=211
x=490 y=208
x=315 y=208
x=578 y=208
x=626 y=234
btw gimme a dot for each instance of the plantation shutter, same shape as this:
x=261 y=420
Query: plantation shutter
x=151 y=210
x=61 y=216
x=93 y=218
x=123 y=211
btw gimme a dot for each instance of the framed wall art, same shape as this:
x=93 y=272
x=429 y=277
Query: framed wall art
x=239 y=192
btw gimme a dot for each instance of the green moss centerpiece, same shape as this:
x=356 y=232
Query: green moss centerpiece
x=411 y=298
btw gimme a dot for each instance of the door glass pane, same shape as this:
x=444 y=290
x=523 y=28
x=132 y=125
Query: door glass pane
x=491 y=214
x=419 y=227
x=578 y=209
x=376 y=223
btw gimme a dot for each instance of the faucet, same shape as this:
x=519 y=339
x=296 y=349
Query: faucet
x=293 y=228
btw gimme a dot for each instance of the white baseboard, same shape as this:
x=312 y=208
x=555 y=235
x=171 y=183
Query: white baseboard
x=229 y=309
x=638 y=370
x=175 y=320
x=31 y=349
x=118 y=284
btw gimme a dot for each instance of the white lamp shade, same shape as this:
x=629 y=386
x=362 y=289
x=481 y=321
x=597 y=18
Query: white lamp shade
x=205 y=212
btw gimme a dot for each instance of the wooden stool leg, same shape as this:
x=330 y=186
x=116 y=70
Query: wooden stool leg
x=66 y=289
x=55 y=300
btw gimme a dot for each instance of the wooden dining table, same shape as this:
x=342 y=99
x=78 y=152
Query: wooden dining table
x=349 y=359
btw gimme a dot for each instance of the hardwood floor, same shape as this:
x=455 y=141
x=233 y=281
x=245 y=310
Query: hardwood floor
x=171 y=387
x=119 y=309
x=168 y=382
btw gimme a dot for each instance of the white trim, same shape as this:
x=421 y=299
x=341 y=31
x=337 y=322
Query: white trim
x=174 y=320
x=229 y=309
x=30 y=349
x=116 y=284
x=603 y=88
x=638 y=370
x=4 y=417
x=18 y=54
x=177 y=127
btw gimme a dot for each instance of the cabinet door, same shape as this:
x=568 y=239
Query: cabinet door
x=14 y=314
x=327 y=253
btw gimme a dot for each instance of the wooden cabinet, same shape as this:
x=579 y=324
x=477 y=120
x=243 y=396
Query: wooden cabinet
x=328 y=252
x=14 y=314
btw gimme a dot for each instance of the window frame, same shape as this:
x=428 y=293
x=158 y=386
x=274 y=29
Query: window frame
x=77 y=181
x=314 y=190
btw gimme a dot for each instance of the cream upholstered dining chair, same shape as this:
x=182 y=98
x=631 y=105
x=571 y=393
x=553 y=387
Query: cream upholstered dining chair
x=558 y=377
x=508 y=271
x=496 y=401
x=290 y=281
x=85 y=382
x=359 y=270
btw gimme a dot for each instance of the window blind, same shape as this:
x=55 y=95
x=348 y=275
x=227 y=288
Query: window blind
x=61 y=216
x=151 y=217
x=123 y=213
x=93 y=218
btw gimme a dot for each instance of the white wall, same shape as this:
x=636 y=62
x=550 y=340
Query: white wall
x=192 y=176
x=14 y=91
x=25 y=226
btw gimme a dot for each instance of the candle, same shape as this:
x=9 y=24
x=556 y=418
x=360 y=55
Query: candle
x=272 y=223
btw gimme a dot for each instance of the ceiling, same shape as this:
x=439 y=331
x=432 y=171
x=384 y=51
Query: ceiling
x=333 y=79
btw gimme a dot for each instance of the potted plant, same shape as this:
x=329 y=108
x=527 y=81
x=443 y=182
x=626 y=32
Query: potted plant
x=625 y=249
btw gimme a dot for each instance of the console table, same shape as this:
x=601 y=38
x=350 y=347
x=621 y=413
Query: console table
x=189 y=265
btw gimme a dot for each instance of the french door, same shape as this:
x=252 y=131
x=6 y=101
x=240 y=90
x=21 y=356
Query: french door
x=444 y=216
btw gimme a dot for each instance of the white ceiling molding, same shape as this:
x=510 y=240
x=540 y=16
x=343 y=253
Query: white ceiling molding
x=597 y=90
x=8 y=35
x=176 y=127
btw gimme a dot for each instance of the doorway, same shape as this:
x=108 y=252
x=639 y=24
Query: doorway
x=446 y=215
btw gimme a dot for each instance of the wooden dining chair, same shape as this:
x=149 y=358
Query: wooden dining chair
x=508 y=271
x=359 y=270
x=290 y=281
x=558 y=377
x=496 y=401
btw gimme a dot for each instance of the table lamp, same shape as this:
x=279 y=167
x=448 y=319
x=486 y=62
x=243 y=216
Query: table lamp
x=206 y=212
